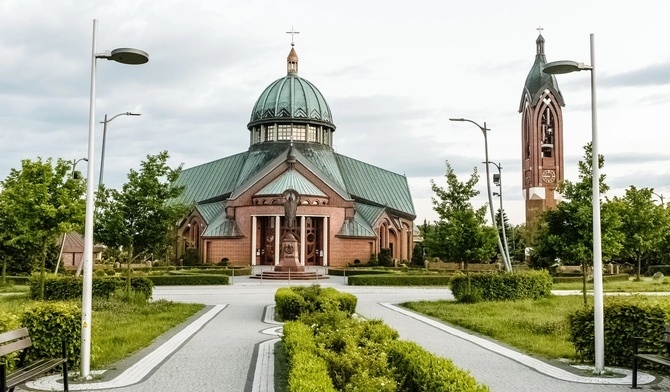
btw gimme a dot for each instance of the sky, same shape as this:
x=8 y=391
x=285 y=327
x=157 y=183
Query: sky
x=392 y=72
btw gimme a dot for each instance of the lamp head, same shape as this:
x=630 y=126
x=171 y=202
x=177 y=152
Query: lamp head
x=129 y=56
x=564 y=66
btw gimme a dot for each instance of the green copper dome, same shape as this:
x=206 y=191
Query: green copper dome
x=291 y=98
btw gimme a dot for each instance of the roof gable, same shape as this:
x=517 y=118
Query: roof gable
x=291 y=179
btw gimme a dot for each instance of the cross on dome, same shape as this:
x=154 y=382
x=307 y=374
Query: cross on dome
x=293 y=33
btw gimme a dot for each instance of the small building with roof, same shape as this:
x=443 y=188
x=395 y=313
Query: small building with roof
x=291 y=182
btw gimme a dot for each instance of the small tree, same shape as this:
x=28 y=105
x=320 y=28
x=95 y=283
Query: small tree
x=38 y=203
x=139 y=217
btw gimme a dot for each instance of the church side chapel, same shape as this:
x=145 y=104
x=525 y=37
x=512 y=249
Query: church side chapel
x=290 y=200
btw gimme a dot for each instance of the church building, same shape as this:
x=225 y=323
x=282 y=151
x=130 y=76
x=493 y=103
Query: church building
x=541 y=140
x=291 y=184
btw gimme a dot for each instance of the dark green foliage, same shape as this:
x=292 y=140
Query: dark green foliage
x=504 y=286
x=625 y=318
x=385 y=257
x=417 y=255
x=189 y=280
x=190 y=257
x=202 y=270
x=418 y=370
x=357 y=271
x=62 y=288
x=49 y=323
x=400 y=280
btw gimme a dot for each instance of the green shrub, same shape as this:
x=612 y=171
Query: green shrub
x=307 y=372
x=504 y=286
x=400 y=280
x=63 y=288
x=289 y=304
x=110 y=272
x=357 y=271
x=625 y=318
x=49 y=323
x=418 y=370
x=385 y=257
x=188 y=280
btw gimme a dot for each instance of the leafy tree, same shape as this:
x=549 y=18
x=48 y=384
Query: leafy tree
x=566 y=232
x=645 y=225
x=417 y=255
x=461 y=234
x=139 y=218
x=38 y=203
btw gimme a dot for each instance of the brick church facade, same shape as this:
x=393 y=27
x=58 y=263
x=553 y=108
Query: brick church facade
x=291 y=182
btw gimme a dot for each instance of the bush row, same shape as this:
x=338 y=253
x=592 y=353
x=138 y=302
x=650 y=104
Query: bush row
x=22 y=280
x=625 y=318
x=330 y=350
x=217 y=271
x=503 y=286
x=307 y=372
x=62 y=288
x=400 y=280
x=188 y=280
x=423 y=371
x=606 y=278
x=291 y=302
x=355 y=272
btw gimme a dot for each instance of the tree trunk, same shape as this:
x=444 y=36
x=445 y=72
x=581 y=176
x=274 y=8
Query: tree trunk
x=130 y=259
x=4 y=271
x=639 y=267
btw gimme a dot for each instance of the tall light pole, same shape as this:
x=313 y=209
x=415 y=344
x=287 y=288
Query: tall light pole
x=508 y=266
x=566 y=66
x=104 y=138
x=124 y=56
x=498 y=183
x=74 y=164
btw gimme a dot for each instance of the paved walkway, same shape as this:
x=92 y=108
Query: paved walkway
x=229 y=345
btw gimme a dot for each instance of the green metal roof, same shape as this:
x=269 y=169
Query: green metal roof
x=291 y=97
x=376 y=185
x=211 y=210
x=222 y=227
x=356 y=227
x=291 y=179
x=537 y=81
x=368 y=212
x=210 y=180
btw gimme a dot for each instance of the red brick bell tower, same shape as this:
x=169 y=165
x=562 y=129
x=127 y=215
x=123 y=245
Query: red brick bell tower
x=541 y=140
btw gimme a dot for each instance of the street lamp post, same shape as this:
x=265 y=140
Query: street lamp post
x=104 y=138
x=124 y=56
x=74 y=164
x=498 y=183
x=659 y=196
x=561 y=67
x=508 y=266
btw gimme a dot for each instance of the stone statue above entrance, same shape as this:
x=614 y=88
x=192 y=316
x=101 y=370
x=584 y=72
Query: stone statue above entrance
x=291 y=200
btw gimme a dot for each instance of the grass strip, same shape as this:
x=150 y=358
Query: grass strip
x=537 y=327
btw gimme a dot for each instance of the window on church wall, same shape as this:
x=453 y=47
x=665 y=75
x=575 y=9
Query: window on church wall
x=547 y=133
x=284 y=132
x=299 y=132
x=311 y=133
x=257 y=135
x=526 y=136
x=269 y=133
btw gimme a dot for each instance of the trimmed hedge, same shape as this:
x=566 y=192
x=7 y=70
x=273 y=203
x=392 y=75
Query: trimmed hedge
x=504 y=286
x=356 y=272
x=212 y=271
x=291 y=302
x=418 y=370
x=307 y=371
x=22 y=280
x=400 y=280
x=625 y=318
x=188 y=280
x=62 y=288
x=49 y=323
x=606 y=278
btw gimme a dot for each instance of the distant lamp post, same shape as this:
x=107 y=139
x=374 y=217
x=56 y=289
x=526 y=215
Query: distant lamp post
x=660 y=197
x=497 y=180
x=561 y=67
x=104 y=138
x=508 y=266
x=124 y=56
x=74 y=165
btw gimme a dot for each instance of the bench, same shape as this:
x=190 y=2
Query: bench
x=657 y=359
x=19 y=340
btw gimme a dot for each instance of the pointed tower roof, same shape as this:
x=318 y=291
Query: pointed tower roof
x=538 y=81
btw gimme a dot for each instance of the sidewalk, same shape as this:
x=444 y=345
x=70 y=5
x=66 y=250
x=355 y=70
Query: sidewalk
x=230 y=347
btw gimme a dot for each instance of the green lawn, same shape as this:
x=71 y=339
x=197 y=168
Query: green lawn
x=119 y=329
x=631 y=286
x=536 y=327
